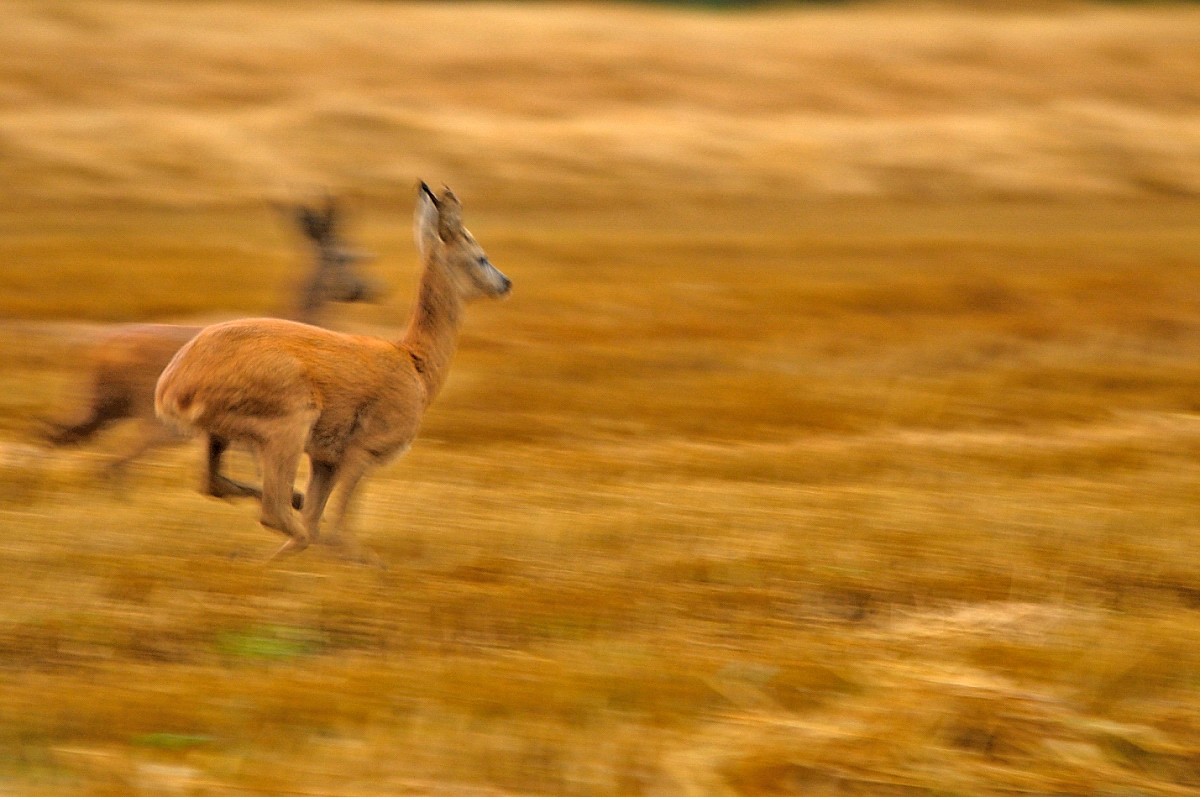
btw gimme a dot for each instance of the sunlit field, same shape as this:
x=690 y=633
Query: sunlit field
x=841 y=434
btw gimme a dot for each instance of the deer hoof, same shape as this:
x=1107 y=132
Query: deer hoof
x=292 y=546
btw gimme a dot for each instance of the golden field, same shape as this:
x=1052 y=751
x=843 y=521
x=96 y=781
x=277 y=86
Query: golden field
x=841 y=436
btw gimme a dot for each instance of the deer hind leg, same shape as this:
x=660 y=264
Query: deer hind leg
x=101 y=410
x=219 y=485
x=279 y=453
x=151 y=435
x=69 y=433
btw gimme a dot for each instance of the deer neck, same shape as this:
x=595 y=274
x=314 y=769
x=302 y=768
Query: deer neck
x=432 y=334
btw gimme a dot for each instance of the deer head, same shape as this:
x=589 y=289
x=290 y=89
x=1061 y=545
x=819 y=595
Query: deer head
x=334 y=277
x=442 y=238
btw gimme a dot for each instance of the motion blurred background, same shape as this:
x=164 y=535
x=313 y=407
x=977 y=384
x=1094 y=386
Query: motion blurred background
x=841 y=434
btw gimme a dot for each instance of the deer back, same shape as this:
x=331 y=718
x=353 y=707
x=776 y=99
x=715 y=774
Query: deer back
x=239 y=378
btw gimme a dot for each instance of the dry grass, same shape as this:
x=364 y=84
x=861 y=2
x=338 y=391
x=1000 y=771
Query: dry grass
x=841 y=436
x=226 y=101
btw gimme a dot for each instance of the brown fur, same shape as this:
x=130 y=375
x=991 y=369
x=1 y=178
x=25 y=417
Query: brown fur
x=125 y=365
x=347 y=401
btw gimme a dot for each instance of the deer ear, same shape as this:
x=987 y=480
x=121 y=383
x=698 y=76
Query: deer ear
x=449 y=216
x=425 y=220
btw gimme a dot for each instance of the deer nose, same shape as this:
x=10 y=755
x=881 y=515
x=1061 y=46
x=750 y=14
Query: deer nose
x=505 y=285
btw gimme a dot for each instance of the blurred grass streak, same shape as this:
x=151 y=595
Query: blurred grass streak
x=906 y=510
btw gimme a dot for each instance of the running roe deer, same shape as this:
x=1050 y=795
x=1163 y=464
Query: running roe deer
x=347 y=401
x=124 y=365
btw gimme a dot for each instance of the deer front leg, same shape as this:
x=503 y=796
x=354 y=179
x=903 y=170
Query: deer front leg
x=320 y=485
x=340 y=535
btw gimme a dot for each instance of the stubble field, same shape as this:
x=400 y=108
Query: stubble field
x=841 y=435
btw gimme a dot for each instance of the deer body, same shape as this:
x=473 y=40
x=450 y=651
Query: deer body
x=125 y=364
x=352 y=390
x=348 y=402
x=124 y=368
